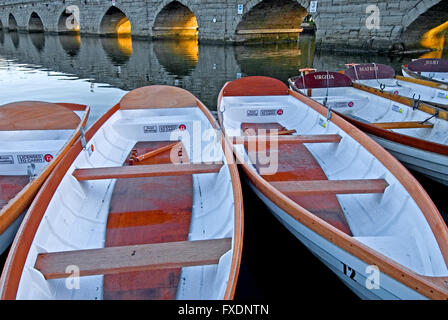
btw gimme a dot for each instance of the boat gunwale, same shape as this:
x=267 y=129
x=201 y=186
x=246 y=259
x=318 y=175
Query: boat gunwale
x=431 y=287
x=11 y=276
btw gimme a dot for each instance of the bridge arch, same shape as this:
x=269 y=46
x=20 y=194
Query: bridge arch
x=35 y=23
x=428 y=29
x=175 y=19
x=261 y=18
x=69 y=20
x=12 y=23
x=115 y=22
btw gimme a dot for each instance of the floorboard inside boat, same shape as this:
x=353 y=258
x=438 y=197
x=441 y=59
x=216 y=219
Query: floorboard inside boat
x=10 y=186
x=296 y=163
x=144 y=211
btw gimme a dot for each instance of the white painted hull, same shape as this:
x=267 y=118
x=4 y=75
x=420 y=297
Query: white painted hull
x=335 y=258
x=432 y=165
x=7 y=237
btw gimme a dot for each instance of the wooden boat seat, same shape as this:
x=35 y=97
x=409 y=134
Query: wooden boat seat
x=403 y=125
x=115 y=260
x=296 y=163
x=144 y=171
x=10 y=186
x=301 y=188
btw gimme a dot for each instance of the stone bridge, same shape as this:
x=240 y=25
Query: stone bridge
x=339 y=24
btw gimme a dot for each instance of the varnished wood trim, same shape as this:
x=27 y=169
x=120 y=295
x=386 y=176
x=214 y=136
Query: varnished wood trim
x=145 y=171
x=113 y=260
x=302 y=188
x=402 y=125
x=238 y=234
x=323 y=138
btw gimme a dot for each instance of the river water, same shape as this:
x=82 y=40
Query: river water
x=99 y=71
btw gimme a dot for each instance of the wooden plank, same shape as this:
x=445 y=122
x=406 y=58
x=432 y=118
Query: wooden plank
x=403 y=125
x=157 y=170
x=331 y=186
x=323 y=138
x=115 y=260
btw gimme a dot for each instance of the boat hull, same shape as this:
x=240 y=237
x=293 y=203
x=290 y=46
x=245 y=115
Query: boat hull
x=349 y=269
x=7 y=237
x=430 y=164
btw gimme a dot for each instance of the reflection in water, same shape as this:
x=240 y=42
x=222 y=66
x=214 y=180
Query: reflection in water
x=435 y=39
x=38 y=40
x=178 y=57
x=283 y=60
x=2 y=37
x=14 y=35
x=200 y=68
x=71 y=43
x=118 y=49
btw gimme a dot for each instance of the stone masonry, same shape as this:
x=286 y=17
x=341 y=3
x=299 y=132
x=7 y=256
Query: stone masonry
x=341 y=24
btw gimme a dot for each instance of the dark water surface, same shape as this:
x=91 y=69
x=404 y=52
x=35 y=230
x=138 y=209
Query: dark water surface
x=99 y=71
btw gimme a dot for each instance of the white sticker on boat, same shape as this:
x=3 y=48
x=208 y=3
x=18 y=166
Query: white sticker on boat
x=338 y=104
x=30 y=158
x=6 y=160
x=270 y=112
x=442 y=95
x=150 y=129
x=322 y=123
x=252 y=113
x=168 y=128
x=397 y=109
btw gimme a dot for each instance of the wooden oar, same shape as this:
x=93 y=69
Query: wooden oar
x=157 y=151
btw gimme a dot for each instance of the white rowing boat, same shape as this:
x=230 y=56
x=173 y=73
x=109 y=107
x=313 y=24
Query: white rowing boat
x=145 y=206
x=427 y=69
x=34 y=136
x=341 y=194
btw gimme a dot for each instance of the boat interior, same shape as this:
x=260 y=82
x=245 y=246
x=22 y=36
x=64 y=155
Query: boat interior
x=388 y=82
x=31 y=135
x=324 y=170
x=151 y=177
x=376 y=110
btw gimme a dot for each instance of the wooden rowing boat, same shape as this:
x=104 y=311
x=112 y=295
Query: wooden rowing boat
x=147 y=206
x=339 y=192
x=435 y=70
x=414 y=132
x=34 y=136
x=383 y=77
